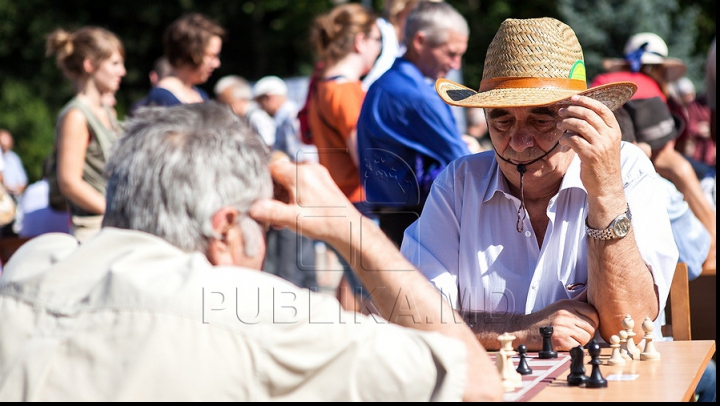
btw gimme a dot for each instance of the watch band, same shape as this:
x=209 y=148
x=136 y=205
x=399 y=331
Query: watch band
x=609 y=232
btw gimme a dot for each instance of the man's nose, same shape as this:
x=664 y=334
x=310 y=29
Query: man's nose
x=520 y=141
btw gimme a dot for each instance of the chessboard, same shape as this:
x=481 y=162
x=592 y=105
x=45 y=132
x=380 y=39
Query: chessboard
x=544 y=371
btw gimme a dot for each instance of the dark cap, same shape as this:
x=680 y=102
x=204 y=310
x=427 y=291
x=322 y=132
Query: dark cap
x=649 y=121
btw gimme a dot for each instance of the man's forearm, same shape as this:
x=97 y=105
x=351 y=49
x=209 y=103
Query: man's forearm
x=619 y=283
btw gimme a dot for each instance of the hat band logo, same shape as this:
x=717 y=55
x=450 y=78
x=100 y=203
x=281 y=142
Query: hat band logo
x=536 y=83
x=578 y=71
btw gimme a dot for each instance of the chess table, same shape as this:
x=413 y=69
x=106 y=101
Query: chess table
x=544 y=372
x=673 y=378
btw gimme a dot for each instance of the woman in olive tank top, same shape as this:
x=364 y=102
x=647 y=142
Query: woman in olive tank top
x=93 y=59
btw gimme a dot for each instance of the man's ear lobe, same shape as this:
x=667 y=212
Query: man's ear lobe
x=219 y=252
x=223 y=220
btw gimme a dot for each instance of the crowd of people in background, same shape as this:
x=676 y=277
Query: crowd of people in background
x=378 y=112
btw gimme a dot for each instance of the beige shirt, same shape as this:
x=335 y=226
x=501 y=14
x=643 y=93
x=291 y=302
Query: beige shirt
x=128 y=317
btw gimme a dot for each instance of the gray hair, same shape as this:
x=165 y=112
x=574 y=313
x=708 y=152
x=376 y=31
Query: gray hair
x=175 y=167
x=241 y=87
x=435 y=19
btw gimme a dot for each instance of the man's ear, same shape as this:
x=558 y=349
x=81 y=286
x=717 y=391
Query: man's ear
x=419 y=41
x=220 y=249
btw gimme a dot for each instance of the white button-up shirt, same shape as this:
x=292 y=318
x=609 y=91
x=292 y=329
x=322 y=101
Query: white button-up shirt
x=467 y=244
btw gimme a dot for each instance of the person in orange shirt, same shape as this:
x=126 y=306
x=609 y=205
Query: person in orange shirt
x=347 y=42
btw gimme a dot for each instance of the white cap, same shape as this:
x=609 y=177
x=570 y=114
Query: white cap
x=656 y=50
x=241 y=87
x=270 y=85
x=685 y=86
x=647 y=48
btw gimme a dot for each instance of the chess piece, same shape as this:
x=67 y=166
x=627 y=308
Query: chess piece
x=511 y=379
x=523 y=368
x=595 y=380
x=577 y=375
x=623 y=346
x=649 y=353
x=615 y=357
x=547 y=349
x=628 y=324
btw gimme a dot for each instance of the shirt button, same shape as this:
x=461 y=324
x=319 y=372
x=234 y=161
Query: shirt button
x=528 y=233
x=534 y=287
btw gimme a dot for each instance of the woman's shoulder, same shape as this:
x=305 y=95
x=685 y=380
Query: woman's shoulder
x=160 y=96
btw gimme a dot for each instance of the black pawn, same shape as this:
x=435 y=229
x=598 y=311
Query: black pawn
x=523 y=367
x=596 y=379
x=577 y=375
x=547 y=349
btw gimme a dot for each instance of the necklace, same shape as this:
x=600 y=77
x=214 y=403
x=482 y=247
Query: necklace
x=522 y=168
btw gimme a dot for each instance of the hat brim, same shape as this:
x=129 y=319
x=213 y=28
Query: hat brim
x=613 y=95
x=674 y=68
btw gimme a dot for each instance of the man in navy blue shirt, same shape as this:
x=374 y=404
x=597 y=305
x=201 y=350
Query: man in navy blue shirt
x=406 y=133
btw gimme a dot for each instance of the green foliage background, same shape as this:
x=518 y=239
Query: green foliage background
x=271 y=37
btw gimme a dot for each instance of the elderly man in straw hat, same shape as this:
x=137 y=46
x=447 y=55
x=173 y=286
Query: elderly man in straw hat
x=562 y=224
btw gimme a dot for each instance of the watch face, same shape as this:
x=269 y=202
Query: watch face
x=622 y=226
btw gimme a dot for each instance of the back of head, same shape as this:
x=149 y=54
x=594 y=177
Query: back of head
x=649 y=121
x=333 y=34
x=685 y=87
x=176 y=166
x=187 y=37
x=162 y=67
x=239 y=88
x=270 y=86
x=72 y=48
x=435 y=19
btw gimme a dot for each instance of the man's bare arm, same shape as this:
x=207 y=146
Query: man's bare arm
x=317 y=209
x=574 y=323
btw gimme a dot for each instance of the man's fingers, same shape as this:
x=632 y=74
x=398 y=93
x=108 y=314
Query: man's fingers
x=273 y=212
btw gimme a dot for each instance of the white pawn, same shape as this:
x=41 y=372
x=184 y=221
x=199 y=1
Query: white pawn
x=650 y=353
x=511 y=379
x=628 y=324
x=623 y=346
x=615 y=358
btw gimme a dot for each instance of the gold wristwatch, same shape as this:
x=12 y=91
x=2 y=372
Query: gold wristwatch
x=618 y=228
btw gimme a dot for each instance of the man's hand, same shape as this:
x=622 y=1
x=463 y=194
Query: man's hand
x=593 y=132
x=574 y=323
x=312 y=204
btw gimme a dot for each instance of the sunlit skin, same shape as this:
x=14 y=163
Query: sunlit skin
x=109 y=74
x=523 y=134
x=435 y=61
x=211 y=61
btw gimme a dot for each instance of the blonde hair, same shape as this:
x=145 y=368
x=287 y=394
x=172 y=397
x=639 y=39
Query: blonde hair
x=72 y=48
x=333 y=34
x=392 y=9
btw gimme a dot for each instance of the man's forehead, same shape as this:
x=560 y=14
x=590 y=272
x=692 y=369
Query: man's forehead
x=538 y=110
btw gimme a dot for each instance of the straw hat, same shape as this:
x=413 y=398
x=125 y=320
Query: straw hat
x=533 y=62
x=646 y=48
